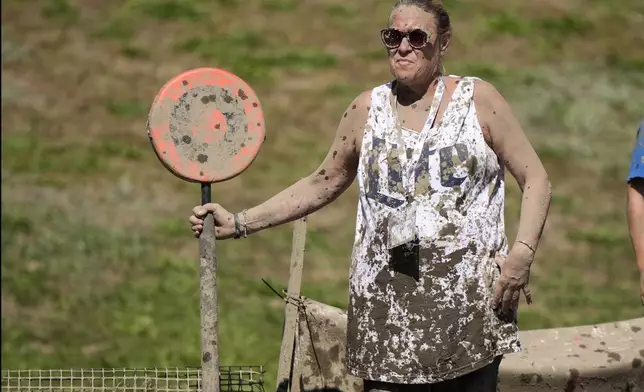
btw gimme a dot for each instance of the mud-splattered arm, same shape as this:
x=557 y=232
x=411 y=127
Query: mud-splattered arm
x=506 y=137
x=326 y=183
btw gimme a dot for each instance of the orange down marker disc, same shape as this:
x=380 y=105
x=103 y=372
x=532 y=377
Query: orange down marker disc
x=206 y=125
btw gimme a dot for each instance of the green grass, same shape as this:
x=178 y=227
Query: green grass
x=60 y=10
x=169 y=10
x=129 y=108
x=252 y=57
x=554 y=27
x=98 y=266
x=134 y=52
x=279 y=5
x=119 y=28
x=67 y=267
x=28 y=153
x=343 y=11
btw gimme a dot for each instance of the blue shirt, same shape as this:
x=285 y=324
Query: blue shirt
x=637 y=156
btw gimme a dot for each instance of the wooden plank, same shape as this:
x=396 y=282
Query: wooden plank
x=291 y=310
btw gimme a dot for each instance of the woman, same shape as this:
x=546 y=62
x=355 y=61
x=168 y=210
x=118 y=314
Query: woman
x=433 y=288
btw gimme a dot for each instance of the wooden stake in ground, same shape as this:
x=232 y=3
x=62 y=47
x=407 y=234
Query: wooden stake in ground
x=206 y=125
x=291 y=309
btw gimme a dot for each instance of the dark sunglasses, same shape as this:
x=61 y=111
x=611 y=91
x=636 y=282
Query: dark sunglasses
x=392 y=38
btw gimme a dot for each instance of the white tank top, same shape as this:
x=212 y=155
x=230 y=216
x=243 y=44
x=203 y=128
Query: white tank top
x=428 y=228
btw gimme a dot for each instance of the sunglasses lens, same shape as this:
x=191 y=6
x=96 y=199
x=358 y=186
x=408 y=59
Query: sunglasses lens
x=417 y=38
x=392 y=38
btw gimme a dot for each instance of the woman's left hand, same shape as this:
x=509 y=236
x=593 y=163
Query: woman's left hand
x=515 y=276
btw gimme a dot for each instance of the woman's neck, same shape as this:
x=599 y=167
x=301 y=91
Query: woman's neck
x=410 y=93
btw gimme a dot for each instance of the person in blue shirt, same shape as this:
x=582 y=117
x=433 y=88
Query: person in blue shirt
x=635 y=196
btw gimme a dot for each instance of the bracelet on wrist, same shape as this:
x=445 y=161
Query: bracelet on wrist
x=527 y=245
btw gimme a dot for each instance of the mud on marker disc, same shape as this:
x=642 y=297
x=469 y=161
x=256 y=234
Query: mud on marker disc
x=206 y=125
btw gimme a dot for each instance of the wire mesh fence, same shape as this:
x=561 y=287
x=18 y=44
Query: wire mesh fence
x=232 y=379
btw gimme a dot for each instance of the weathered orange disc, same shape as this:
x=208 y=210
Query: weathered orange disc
x=206 y=125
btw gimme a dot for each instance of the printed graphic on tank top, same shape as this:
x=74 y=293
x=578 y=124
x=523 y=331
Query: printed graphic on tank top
x=428 y=229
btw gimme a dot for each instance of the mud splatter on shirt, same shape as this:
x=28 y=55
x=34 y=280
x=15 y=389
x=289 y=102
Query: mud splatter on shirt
x=420 y=312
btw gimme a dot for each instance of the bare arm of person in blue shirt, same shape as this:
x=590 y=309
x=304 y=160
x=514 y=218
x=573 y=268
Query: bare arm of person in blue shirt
x=635 y=196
